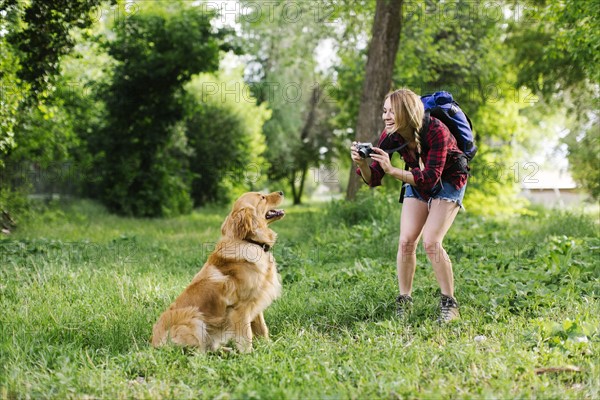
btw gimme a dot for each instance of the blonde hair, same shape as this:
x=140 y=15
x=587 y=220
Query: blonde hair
x=408 y=113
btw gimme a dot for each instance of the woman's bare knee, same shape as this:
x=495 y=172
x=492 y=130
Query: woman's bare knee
x=406 y=251
x=435 y=251
x=408 y=245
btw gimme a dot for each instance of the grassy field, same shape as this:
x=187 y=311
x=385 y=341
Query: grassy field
x=80 y=290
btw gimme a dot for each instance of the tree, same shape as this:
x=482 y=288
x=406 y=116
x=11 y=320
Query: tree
x=459 y=47
x=34 y=37
x=10 y=96
x=584 y=158
x=282 y=41
x=225 y=138
x=557 y=52
x=385 y=38
x=46 y=37
x=157 y=52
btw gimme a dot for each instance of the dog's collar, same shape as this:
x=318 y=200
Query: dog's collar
x=264 y=246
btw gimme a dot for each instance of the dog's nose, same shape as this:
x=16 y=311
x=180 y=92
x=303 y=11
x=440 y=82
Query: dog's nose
x=280 y=193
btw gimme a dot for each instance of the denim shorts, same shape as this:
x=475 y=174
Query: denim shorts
x=445 y=191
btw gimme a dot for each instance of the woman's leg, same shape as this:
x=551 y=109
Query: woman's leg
x=414 y=215
x=440 y=218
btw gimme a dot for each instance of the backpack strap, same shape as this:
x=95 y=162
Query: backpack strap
x=391 y=151
x=395 y=149
x=403 y=190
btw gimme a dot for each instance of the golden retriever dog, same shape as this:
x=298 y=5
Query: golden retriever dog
x=226 y=299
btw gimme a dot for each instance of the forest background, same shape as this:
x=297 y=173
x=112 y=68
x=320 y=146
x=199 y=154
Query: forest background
x=154 y=108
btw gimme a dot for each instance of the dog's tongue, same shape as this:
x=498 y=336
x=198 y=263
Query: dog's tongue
x=274 y=213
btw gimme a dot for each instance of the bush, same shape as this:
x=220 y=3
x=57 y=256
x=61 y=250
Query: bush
x=13 y=202
x=370 y=205
x=142 y=151
x=225 y=140
x=221 y=156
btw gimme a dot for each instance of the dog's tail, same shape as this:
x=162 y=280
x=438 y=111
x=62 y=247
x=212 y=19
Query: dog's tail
x=181 y=326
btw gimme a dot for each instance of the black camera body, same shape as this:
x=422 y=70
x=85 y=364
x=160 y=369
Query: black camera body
x=364 y=150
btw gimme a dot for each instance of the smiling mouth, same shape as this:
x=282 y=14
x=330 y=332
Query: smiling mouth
x=274 y=214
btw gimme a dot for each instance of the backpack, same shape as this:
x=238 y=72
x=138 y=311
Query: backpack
x=442 y=106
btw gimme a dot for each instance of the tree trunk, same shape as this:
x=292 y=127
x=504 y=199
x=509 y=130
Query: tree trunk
x=297 y=192
x=304 y=157
x=378 y=77
x=292 y=180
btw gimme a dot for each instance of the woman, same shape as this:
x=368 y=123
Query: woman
x=435 y=187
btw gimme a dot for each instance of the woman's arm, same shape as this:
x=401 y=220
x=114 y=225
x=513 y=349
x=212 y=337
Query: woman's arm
x=404 y=176
x=365 y=172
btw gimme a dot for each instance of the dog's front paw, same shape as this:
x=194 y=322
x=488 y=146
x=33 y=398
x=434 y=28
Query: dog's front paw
x=244 y=346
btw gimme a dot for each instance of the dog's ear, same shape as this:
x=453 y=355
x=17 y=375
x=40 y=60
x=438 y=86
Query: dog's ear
x=239 y=224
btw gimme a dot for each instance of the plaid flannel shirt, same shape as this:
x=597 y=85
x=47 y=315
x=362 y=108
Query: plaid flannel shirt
x=441 y=153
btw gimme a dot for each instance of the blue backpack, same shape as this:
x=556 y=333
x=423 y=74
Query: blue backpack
x=442 y=106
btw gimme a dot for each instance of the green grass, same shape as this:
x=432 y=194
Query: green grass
x=80 y=290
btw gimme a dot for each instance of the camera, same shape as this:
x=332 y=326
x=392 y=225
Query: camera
x=364 y=150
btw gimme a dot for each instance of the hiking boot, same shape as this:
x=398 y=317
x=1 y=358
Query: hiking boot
x=448 y=309
x=403 y=305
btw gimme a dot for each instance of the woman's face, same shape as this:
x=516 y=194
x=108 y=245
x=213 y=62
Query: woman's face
x=388 y=116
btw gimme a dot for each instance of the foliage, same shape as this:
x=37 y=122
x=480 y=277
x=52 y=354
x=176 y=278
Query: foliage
x=225 y=137
x=460 y=48
x=34 y=38
x=135 y=134
x=85 y=110
x=12 y=201
x=10 y=95
x=557 y=45
x=495 y=177
x=283 y=72
x=157 y=52
x=11 y=99
x=45 y=132
x=584 y=158
x=46 y=37
x=96 y=283
x=557 y=55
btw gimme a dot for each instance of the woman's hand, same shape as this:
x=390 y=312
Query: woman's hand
x=362 y=162
x=382 y=158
